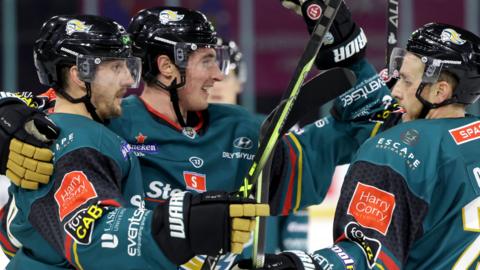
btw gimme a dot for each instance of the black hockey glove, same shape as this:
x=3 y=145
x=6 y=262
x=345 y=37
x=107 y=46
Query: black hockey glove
x=290 y=260
x=343 y=45
x=25 y=132
x=209 y=223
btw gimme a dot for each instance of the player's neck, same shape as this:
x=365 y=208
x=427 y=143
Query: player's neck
x=447 y=111
x=64 y=106
x=159 y=100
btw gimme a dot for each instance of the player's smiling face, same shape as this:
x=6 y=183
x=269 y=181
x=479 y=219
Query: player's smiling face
x=201 y=73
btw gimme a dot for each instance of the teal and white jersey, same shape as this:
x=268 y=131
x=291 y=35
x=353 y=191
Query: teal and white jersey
x=213 y=155
x=307 y=157
x=411 y=200
x=84 y=217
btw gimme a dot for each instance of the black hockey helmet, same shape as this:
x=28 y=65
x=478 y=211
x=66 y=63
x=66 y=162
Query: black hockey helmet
x=443 y=47
x=85 y=41
x=175 y=32
x=63 y=39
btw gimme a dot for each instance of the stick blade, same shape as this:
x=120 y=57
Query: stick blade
x=319 y=90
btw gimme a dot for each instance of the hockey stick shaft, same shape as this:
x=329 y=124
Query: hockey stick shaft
x=273 y=132
x=392 y=28
x=305 y=64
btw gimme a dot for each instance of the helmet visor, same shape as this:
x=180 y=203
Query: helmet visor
x=219 y=55
x=432 y=67
x=125 y=69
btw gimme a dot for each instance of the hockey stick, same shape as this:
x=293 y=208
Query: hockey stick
x=310 y=98
x=338 y=81
x=273 y=132
x=392 y=37
x=392 y=28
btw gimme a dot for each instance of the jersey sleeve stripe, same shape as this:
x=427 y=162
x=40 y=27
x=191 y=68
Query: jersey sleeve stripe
x=300 y=170
x=77 y=259
x=387 y=261
x=288 y=199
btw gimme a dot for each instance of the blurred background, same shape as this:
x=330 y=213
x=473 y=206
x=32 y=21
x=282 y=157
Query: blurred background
x=270 y=37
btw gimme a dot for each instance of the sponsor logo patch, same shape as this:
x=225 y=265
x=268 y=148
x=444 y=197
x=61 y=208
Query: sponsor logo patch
x=109 y=240
x=74 y=191
x=195 y=181
x=346 y=259
x=196 y=162
x=466 y=133
x=80 y=226
x=140 y=138
x=314 y=11
x=400 y=149
x=243 y=143
x=372 y=207
x=136 y=225
x=370 y=246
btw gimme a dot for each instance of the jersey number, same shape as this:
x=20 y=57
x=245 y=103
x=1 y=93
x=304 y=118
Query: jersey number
x=471 y=222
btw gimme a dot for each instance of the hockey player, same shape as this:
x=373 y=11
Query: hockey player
x=411 y=196
x=82 y=218
x=222 y=140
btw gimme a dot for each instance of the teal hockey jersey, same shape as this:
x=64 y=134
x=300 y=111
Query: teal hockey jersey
x=81 y=219
x=411 y=200
x=306 y=159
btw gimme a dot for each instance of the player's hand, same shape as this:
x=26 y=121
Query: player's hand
x=343 y=45
x=295 y=5
x=209 y=223
x=25 y=159
x=292 y=260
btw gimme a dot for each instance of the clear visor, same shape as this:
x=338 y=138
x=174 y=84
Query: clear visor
x=432 y=66
x=127 y=70
x=219 y=55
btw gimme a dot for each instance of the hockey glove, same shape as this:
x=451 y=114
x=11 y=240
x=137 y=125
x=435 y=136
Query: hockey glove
x=290 y=260
x=343 y=45
x=209 y=223
x=23 y=159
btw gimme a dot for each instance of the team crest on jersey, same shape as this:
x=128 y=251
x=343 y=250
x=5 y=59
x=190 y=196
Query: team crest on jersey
x=466 y=133
x=370 y=246
x=74 y=26
x=195 y=181
x=167 y=16
x=189 y=132
x=372 y=207
x=450 y=35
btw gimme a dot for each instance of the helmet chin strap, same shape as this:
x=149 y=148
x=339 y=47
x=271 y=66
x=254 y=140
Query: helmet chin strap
x=173 y=91
x=427 y=106
x=86 y=99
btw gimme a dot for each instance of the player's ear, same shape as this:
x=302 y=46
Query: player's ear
x=165 y=65
x=73 y=77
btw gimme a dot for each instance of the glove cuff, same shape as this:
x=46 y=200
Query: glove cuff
x=344 y=54
x=170 y=228
x=301 y=260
